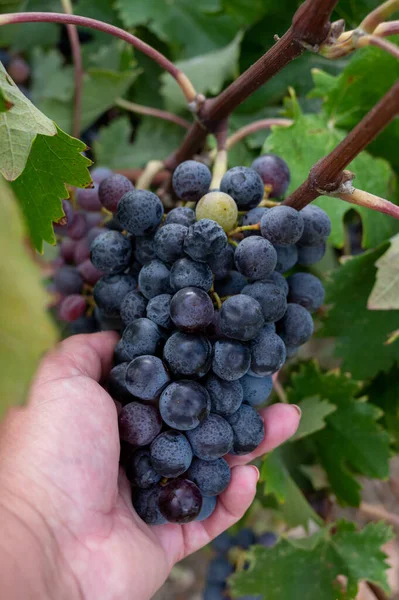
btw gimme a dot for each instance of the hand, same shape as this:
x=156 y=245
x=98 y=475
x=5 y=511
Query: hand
x=61 y=489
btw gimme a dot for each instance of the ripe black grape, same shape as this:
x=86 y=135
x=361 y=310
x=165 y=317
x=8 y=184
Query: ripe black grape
x=140 y=212
x=112 y=189
x=111 y=252
x=169 y=241
x=154 y=279
x=133 y=307
x=191 y=180
x=226 y=396
x=146 y=503
x=267 y=354
x=208 y=506
x=158 y=310
x=248 y=429
x=287 y=257
x=271 y=298
x=189 y=273
x=282 y=225
x=191 y=309
x=307 y=290
x=68 y=280
x=116 y=384
x=296 y=327
x=211 y=476
x=88 y=199
x=256 y=390
x=139 y=469
x=230 y=285
x=309 y=255
x=145 y=250
x=244 y=185
x=171 y=453
x=146 y=377
x=241 y=317
x=255 y=257
x=231 y=359
x=184 y=404
x=180 y=501
x=222 y=263
x=273 y=171
x=317 y=226
x=188 y=355
x=181 y=215
x=204 y=239
x=110 y=291
x=139 y=424
x=212 y=439
x=141 y=337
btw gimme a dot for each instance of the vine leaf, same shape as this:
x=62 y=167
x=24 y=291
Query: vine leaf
x=53 y=163
x=310 y=138
x=207 y=73
x=313 y=564
x=352 y=441
x=385 y=293
x=362 y=334
x=314 y=410
x=384 y=392
x=19 y=127
x=25 y=325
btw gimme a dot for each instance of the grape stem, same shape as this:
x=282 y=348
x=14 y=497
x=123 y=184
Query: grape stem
x=216 y=298
x=278 y=388
x=255 y=227
x=378 y=15
x=78 y=69
x=152 y=112
x=327 y=175
x=146 y=178
x=242 y=133
x=68 y=19
x=362 y=198
x=374 y=40
x=219 y=169
x=385 y=29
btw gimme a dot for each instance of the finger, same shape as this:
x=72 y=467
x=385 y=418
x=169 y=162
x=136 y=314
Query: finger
x=87 y=354
x=281 y=422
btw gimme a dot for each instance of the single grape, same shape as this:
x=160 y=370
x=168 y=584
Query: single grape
x=230 y=285
x=213 y=331
x=191 y=180
x=98 y=174
x=189 y=273
x=72 y=307
x=231 y=359
x=142 y=337
x=139 y=469
x=219 y=569
x=282 y=225
x=307 y=290
x=256 y=390
x=255 y=257
x=111 y=190
x=271 y=298
x=219 y=207
x=87 y=198
x=169 y=242
x=110 y=291
x=208 y=507
x=191 y=309
x=212 y=439
x=67 y=248
x=120 y=354
x=252 y=217
x=146 y=377
x=171 y=454
x=278 y=280
x=241 y=317
x=204 y=239
x=184 y=404
x=211 y=476
x=248 y=429
x=158 y=310
x=84 y=325
x=245 y=538
x=94 y=231
x=221 y=264
x=317 y=226
x=244 y=185
x=19 y=70
x=267 y=354
x=133 y=307
x=81 y=251
x=77 y=228
x=309 y=255
x=116 y=384
x=287 y=257
x=139 y=424
x=226 y=396
x=89 y=272
x=146 y=503
x=107 y=322
x=154 y=279
x=145 y=250
x=267 y=539
x=188 y=355
x=68 y=280
x=111 y=252
x=140 y=212
x=222 y=543
x=180 y=501
x=181 y=215
x=273 y=171
x=296 y=327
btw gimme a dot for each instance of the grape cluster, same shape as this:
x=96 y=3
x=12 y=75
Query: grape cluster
x=205 y=321
x=227 y=546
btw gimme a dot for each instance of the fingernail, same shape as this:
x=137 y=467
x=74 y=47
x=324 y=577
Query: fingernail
x=257 y=472
x=297 y=409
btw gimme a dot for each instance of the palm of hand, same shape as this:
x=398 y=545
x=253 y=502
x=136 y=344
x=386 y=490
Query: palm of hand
x=70 y=445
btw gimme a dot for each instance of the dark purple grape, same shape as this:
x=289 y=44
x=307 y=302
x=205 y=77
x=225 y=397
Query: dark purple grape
x=145 y=251
x=212 y=439
x=110 y=291
x=77 y=228
x=180 y=501
x=208 y=507
x=191 y=309
x=146 y=377
x=71 y=307
x=189 y=273
x=222 y=263
x=241 y=317
x=139 y=469
x=309 y=255
x=226 y=396
x=81 y=251
x=87 y=198
x=296 y=327
x=154 y=279
x=271 y=298
x=142 y=337
x=19 y=70
x=116 y=384
x=317 y=226
x=169 y=242
x=68 y=280
x=84 y=325
x=184 y=404
x=191 y=180
x=120 y=354
x=248 y=429
x=181 y=215
x=139 y=424
x=98 y=174
x=107 y=322
x=267 y=354
x=278 y=280
x=255 y=257
x=158 y=310
x=89 y=272
x=111 y=190
x=140 y=212
x=231 y=359
x=307 y=290
x=146 y=503
x=273 y=171
x=244 y=185
x=256 y=390
x=211 y=476
x=231 y=285
x=245 y=538
x=171 y=454
x=219 y=569
x=133 y=307
x=67 y=249
x=267 y=539
x=282 y=225
x=287 y=257
x=111 y=252
x=188 y=355
x=204 y=239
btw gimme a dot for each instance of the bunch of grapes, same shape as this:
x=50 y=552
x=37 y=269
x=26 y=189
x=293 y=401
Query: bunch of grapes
x=220 y=567
x=206 y=318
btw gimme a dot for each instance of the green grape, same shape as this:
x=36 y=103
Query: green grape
x=219 y=207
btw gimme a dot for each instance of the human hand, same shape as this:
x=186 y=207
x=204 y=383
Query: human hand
x=64 y=499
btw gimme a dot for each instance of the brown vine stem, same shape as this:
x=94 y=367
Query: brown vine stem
x=310 y=27
x=78 y=67
x=327 y=174
x=378 y=15
x=152 y=112
x=46 y=17
x=242 y=133
x=362 y=198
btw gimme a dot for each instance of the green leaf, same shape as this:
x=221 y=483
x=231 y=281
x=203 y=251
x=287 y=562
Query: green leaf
x=19 y=127
x=22 y=37
x=316 y=475
x=51 y=79
x=352 y=441
x=385 y=293
x=290 y=570
x=383 y=391
x=207 y=73
x=113 y=148
x=25 y=325
x=5 y=102
x=310 y=138
x=361 y=333
x=291 y=502
x=314 y=410
x=53 y=163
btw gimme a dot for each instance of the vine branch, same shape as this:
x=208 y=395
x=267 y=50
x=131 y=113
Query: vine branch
x=152 y=112
x=243 y=132
x=78 y=68
x=67 y=19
